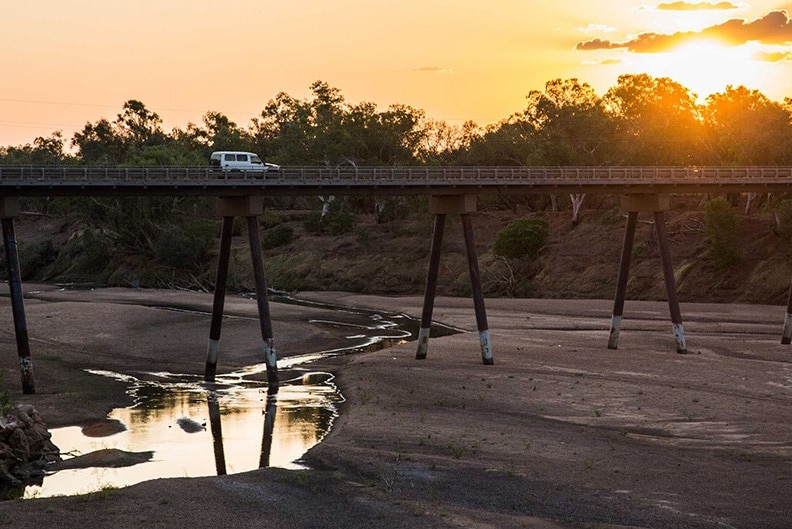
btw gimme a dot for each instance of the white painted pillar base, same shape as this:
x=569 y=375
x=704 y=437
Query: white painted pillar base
x=486 y=347
x=423 y=342
x=679 y=336
x=212 y=351
x=270 y=354
x=615 y=331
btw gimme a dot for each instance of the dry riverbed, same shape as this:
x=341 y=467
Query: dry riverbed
x=560 y=433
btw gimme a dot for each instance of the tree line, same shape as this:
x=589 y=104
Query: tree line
x=642 y=120
x=167 y=241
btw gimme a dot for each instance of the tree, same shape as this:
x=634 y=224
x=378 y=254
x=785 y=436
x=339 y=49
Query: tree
x=745 y=128
x=219 y=133
x=43 y=151
x=98 y=144
x=505 y=143
x=522 y=238
x=723 y=231
x=134 y=129
x=138 y=127
x=656 y=121
x=570 y=123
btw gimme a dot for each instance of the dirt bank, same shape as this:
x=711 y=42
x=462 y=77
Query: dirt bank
x=560 y=432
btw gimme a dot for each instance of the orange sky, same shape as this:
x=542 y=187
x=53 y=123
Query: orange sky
x=63 y=63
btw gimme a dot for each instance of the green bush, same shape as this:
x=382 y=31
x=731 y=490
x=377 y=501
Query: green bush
x=723 y=231
x=340 y=219
x=280 y=235
x=91 y=252
x=184 y=246
x=313 y=222
x=33 y=258
x=522 y=238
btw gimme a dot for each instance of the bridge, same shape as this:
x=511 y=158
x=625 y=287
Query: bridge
x=451 y=190
x=186 y=181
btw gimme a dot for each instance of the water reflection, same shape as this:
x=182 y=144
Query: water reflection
x=194 y=430
x=181 y=427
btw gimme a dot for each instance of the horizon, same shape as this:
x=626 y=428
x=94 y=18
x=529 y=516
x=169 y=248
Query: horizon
x=66 y=66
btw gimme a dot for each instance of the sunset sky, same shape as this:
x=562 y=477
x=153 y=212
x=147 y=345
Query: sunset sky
x=64 y=63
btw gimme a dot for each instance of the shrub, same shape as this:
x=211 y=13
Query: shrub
x=522 y=238
x=187 y=245
x=91 y=252
x=280 y=235
x=340 y=219
x=33 y=258
x=723 y=231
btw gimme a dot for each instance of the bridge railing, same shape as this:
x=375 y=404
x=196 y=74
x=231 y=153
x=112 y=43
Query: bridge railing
x=385 y=175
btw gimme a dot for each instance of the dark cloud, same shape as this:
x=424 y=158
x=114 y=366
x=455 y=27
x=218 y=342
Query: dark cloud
x=698 y=6
x=774 y=28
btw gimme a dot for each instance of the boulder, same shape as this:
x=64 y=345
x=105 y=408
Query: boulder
x=25 y=445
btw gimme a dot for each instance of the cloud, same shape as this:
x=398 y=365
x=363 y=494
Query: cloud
x=773 y=56
x=606 y=62
x=696 y=6
x=436 y=69
x=597 y=28
x=774 y=28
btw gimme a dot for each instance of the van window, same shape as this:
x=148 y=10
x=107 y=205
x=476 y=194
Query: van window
x=242 y=157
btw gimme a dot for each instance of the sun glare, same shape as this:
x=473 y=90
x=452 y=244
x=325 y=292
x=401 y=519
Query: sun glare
x=705 y=67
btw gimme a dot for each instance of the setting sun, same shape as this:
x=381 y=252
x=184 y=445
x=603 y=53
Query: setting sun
x=704 y=66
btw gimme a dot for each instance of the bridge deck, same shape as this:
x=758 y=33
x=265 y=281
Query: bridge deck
x=75 y=181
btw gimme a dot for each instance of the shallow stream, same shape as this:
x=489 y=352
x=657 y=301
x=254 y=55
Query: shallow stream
x=180 y=426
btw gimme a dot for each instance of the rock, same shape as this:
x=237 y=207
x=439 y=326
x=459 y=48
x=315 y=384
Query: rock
x=103 y=428
x=189 y=425
x=109 y=458
x=25 y=445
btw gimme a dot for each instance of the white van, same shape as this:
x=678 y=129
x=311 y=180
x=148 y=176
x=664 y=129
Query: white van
x=240 y=161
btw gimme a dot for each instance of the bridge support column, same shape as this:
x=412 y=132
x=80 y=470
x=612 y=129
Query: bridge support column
x=262 y=300
x=219 y=299
x=9 y=207
x=786 y=336
x=251 y=208
x=656 y=204
x=431 y=286
x=441 y=206
x=668 y=274
x=478 y=294
x=621 y=283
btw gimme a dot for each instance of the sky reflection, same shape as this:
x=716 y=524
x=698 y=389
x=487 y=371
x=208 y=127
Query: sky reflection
x=168 y=409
